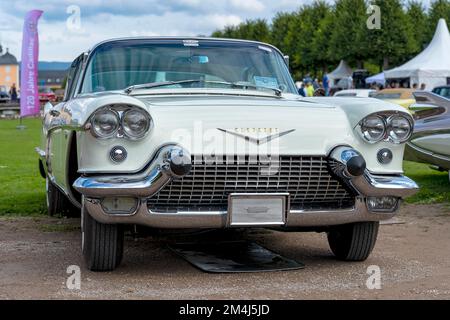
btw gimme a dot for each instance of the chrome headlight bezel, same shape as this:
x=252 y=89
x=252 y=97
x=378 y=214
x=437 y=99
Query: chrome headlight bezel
x=387 y=118
x=119 y=111
x=98 y=134
x=364 y=133
x=128 y=132
x=392 y=136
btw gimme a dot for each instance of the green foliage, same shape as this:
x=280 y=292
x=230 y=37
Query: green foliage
x=348 y=40
x=418 y=21
x=257 y=30
x=394 y=41
x=318 y=35
x=439 y=9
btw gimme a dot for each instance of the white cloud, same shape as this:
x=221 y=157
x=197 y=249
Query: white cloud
x=248 y=5
x=102 y=20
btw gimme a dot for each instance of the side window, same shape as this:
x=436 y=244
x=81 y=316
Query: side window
x=72 y=78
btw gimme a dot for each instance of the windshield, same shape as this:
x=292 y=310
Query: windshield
x=121 y=64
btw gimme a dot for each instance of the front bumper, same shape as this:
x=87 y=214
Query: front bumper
x=172 y=162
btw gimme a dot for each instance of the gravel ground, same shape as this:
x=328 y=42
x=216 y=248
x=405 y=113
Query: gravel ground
x=413 y=256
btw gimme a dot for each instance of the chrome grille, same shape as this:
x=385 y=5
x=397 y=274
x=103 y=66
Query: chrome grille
x=207 y=186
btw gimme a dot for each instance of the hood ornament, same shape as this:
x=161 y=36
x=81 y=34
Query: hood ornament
x=249 y=134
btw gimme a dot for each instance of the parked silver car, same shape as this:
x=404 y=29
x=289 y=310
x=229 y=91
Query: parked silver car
x=430 y=142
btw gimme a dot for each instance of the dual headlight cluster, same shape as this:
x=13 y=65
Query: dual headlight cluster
x=396 y=128
x=131 y=122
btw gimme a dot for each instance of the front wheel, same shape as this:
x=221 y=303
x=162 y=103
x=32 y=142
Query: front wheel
x=102 y=244
x=353 y=242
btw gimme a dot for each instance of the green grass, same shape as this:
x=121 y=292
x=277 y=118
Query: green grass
x=434 y=185
x=22 y=190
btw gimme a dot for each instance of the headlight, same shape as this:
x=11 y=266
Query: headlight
x=400 y=128
x=373 y=128
x=105 y=123
x=135 y=123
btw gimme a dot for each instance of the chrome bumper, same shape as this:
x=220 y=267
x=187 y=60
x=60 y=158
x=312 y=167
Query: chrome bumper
x=219 y=219
x=172 y=162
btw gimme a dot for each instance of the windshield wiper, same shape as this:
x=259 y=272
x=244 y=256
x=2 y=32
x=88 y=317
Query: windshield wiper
x=242 y=85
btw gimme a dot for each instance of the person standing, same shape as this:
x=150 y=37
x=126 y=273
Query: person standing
x=326 y=84
x=423 y=87
x=302 y=91
x=309 y=90
x=13 y=93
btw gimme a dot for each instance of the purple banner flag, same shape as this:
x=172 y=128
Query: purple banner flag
x=29 y=98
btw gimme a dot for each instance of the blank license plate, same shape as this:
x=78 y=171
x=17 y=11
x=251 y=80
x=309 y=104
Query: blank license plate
x=257 y=210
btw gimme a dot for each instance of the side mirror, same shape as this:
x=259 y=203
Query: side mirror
x=286 y=60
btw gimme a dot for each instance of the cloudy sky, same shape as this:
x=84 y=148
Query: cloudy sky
x=69 y=27
x=63 y=35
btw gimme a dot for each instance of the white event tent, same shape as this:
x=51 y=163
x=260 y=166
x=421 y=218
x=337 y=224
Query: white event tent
x=342 y=71
x=431 y=66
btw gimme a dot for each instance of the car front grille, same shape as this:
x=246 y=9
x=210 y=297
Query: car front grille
x=206 y=188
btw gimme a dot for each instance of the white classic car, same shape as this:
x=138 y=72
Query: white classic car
x=211 y=133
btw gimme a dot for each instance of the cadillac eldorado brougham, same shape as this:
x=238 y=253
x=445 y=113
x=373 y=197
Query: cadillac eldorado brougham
x=204 y=133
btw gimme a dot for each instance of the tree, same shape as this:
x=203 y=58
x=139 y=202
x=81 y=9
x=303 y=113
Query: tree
x=279 y=30
x=394 y=42
x=418 y=21
x=302 y=30
x=439 y=9
x=349 y=34
x=257 y=30
x=320 y=43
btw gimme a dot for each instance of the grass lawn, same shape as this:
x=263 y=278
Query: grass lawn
x=434 y=185
x=22 y=190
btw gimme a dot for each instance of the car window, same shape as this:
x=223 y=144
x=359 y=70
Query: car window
x=118 y=65
x=347 y=94
x=72 y=77
x=445 y=92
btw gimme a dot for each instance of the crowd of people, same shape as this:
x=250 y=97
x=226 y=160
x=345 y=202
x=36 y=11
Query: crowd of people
x=310 y=87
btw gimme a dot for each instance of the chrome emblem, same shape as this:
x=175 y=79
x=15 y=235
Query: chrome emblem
x=257 y=135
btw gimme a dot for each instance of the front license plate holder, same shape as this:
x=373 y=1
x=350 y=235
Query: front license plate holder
x=253 y=210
